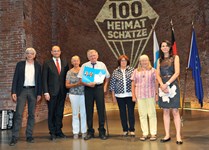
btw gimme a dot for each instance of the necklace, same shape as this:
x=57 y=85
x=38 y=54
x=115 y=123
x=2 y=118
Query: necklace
x=143 y=73
x=76 y=70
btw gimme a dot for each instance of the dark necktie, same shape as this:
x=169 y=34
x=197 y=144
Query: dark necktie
x=93 y=64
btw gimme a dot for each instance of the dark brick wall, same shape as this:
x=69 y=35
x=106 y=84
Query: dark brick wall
x=23 y=23
x=38 y=30
x=78 y=32
x=11 y=46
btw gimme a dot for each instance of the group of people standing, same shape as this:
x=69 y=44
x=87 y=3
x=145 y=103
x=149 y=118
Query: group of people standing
x=144 y=85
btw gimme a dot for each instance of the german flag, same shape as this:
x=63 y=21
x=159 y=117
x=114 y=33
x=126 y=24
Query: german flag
x=173 y=41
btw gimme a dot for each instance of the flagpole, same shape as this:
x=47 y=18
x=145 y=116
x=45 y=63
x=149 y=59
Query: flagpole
x=171 y=22
x=184 y=93
x=184 y=90
x=185 y=83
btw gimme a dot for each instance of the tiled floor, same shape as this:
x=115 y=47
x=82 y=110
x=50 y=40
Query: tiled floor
x=195 y=134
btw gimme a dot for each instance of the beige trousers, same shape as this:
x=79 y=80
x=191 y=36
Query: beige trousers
x=146 y=109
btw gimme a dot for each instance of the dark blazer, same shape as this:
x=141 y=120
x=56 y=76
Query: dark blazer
x=19 y=78
x=52 y=81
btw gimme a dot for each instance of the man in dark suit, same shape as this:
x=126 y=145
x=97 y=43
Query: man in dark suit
x=54 y=76
x=26 y=86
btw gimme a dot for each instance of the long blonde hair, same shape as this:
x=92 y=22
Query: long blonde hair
x=139 y=68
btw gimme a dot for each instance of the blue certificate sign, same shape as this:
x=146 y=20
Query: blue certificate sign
x=93 y=75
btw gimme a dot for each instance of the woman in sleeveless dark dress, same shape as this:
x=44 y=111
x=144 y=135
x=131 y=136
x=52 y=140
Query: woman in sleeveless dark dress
x=168 y=70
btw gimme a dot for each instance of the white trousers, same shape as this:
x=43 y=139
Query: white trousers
x=78 y=106
x=146 y=108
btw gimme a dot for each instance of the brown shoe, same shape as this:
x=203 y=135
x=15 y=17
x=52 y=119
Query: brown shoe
x=153 y=138
x=132 y=134
x=144 y=138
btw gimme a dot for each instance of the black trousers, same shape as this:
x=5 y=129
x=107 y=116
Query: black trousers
x=95 y=94
x=55 y=113
x=125 y=104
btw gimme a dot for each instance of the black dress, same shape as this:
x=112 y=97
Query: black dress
x=167 y=69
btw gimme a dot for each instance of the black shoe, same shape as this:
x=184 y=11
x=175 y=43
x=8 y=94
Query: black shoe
x=165 y=140
x=89 y=136
x=60 y=135
x=52 y=137
x=30 y=139
x=103 y=136
x=13 y=141
x=179 y=142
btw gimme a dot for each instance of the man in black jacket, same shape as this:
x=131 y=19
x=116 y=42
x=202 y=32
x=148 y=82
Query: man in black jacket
x=54 y=76
x=26 y=86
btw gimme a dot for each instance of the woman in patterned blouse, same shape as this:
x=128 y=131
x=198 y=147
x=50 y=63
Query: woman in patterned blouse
x=145 y=92
x=120 y=85
x=76 y=95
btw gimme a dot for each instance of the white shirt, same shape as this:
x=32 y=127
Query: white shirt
x=29 y=74
x=55 y=61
